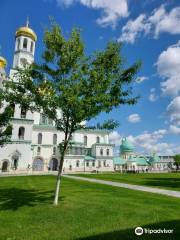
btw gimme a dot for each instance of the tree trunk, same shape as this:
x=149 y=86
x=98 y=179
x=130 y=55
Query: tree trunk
x=58 y=181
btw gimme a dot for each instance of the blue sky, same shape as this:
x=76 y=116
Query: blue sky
x=150 y=31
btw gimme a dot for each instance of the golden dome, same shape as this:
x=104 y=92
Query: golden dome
x=3 y=62
x=26 y=31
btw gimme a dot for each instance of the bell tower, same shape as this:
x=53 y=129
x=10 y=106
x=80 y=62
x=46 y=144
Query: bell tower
x=25 y=39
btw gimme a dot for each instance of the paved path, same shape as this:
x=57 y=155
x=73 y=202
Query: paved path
x=129 y=186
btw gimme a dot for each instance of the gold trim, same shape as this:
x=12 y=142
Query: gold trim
x=3 y=62
x=26 y=31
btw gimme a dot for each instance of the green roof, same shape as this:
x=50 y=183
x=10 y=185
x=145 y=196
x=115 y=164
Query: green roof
x=154 y=158
x=126 y=146
x=89 y=158
x=141 y=161
x=138 y=160
x=119 y=160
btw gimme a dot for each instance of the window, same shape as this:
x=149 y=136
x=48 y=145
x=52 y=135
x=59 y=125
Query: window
x=18 y=44
x=77 y=163
x=76 y=151
x=79 y=151
x=54 y=150
x=107 y=152
x=38 y=150
x=104 y=163
x=87 y=164
x=54 y=139
x=98 y=139
x=32 y=44
x=25 y=43
x=42 y=119
x=15 y=162
x=50 y=121
x=101 y=152
x=23 y=113
x=93 y=163
x=39 y=138
x=23 y=61
x=21 y=133
x=85 y=140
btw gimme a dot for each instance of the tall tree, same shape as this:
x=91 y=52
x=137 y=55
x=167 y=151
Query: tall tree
x=80 y=86
x=177 y=161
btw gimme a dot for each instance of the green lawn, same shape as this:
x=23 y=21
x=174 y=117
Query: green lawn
x=160 y=180
x=87 y=211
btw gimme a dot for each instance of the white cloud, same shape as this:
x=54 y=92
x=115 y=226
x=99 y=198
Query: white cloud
x=134 y=118
x=158 y=22
x=165 y=22
x=152 y=96
x=173 y=110
x=149 y=142
x=132 y=29
x=141 y=79
x=174 y=129
x=115 y=138
x=112 y=10
x=64 y=2
x=168 y=66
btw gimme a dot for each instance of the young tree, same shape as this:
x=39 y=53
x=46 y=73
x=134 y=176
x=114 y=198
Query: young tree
x=177 y=161
x=80 y=86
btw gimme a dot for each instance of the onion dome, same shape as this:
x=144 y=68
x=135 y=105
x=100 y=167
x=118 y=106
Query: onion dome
x=154 y=159
x=3 y=62
x=26 y=31
x=126 y=146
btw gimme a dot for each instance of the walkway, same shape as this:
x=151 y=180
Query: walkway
x=129 y=186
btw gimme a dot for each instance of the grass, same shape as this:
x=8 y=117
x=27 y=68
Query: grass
x=87 y=211
x=159 y=180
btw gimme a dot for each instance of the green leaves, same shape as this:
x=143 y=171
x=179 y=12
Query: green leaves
x=81 y=86
x=5 y=116
x=177 y=161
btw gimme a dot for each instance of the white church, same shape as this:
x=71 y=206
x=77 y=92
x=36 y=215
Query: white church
x=34 y=142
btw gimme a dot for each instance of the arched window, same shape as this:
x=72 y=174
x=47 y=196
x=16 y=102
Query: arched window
x=85 y=140
x=23 y=113
x=87 y=164
x=21 y=133
x=25 y=43
x=38 y=150
x=98 y=139
x=104 y=163
x=77 y=163
x=54 y=139
x=107 y=152
x=18 y=44
x=32 y=45
x=39 y=138
x=101 y=152
x=15 y=162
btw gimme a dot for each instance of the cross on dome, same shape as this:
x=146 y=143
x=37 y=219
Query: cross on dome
x=27 y=22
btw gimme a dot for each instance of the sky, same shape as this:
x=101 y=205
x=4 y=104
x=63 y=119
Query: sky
x=149 y=31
